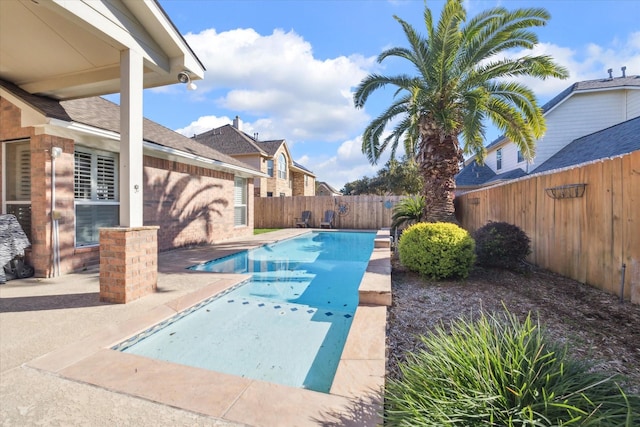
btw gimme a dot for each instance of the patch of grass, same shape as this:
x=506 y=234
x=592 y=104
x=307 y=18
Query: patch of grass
x=499 y=371
x=263 y=230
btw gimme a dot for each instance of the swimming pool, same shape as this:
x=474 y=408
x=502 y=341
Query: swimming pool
x=287 y=324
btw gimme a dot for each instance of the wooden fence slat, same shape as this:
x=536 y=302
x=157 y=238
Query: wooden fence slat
x=585 y=238
x=362 y=212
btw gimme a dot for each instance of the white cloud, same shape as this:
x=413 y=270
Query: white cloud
x=588 y=62
x=276 y=77
x=283 y=91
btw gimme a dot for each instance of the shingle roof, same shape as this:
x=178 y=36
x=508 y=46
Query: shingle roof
x=474 y=175
x=512 y=174
x=103 y=114
x=230 y=140
x=271 y=147
x=613 y=141
x=587 y=85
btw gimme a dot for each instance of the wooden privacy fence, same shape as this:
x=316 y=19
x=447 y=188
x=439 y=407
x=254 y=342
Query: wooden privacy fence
x=351 y=212
x=587 y=238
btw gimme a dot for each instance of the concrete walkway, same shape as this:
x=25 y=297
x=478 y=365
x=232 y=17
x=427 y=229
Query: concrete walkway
x=40 y=317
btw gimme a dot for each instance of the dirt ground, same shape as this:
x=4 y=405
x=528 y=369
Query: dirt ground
x=593 y=324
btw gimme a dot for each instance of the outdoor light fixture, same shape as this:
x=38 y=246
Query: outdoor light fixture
x=183 y=77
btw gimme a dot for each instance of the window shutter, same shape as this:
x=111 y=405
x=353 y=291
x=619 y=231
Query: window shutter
x=82 y=176
x=105 y=178
x=23 y=155
x=240 y=202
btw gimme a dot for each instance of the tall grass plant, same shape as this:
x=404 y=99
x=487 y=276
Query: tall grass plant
x=498 y=371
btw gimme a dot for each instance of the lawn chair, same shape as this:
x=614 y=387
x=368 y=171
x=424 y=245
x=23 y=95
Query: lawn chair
x=328 y=219
x=304 y=221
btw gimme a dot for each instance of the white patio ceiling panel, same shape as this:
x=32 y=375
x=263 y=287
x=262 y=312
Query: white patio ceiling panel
x=71 y=49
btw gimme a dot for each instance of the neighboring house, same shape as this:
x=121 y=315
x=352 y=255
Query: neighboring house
x=285 y=176
x=324 y=189
x=584 y=108
x=193 y=193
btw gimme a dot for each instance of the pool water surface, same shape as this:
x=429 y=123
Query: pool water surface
x=287 y=324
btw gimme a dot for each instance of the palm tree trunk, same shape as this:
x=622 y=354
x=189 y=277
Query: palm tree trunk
x=439 y=158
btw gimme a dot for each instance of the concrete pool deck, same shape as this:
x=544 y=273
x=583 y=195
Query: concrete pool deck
x=56 y=367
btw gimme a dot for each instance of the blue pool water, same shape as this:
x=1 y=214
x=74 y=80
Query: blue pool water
x=287 y=324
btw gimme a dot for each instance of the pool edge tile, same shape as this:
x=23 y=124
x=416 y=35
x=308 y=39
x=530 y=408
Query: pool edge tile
x=198 y=390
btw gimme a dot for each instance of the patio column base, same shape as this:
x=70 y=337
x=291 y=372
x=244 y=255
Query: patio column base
x=128 y=263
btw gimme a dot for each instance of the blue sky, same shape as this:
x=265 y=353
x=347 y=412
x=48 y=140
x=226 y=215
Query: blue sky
x=288 y=68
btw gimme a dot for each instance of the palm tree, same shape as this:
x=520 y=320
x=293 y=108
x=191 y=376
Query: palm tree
x=461 y=82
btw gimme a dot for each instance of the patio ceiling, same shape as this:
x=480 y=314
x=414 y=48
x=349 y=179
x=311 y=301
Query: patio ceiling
x=71 y=49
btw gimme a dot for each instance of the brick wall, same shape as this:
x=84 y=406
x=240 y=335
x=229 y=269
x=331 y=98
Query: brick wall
x=190 y=204
x=128 y=263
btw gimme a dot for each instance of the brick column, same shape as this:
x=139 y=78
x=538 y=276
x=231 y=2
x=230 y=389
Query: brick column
x=128 y=263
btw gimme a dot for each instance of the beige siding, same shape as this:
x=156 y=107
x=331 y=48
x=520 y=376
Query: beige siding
x=633 y=103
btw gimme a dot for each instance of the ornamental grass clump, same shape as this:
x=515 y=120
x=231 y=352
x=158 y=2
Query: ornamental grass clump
x=498 y=371
x=438 y=250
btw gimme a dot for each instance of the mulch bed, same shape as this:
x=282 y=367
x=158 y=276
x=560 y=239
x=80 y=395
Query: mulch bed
x=592 y=323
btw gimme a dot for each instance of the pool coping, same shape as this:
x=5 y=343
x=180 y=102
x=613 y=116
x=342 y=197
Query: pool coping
x=355 y=397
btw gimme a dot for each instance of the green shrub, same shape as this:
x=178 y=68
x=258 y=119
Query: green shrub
x=437 y=250
x=503 y=245
x=500 y=372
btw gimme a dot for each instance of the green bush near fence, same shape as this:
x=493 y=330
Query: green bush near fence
x=437 y=250
x=502 y=245
x=502 y=372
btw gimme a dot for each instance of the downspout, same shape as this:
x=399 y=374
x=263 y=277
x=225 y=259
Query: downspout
x=55 y=215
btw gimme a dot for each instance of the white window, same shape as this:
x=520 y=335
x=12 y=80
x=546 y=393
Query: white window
x=499 y=159
x=240 y=202
x=306 y=180
x=96 y=194
x=17 y=164
x=282 y=167
x=520 y=157
x=270 y=167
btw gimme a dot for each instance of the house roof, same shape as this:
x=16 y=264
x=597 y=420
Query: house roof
x=230 y=140
x=103 y=114
x=512 y=174
x=474 y=175
x=234 y=142
x=613 y=141
x=584 y=86
x=330 y=188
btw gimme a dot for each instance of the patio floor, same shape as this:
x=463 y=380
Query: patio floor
x=56 y=367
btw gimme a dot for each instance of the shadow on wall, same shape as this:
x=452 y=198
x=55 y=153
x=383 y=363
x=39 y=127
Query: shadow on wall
x=188 y=209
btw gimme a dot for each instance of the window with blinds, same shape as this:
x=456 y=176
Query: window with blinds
x=17 y=163
x=96 y=194
x=240 y=202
